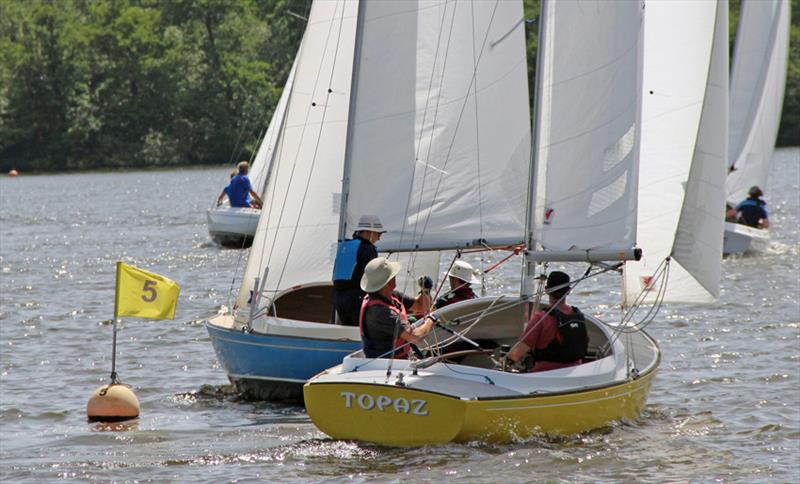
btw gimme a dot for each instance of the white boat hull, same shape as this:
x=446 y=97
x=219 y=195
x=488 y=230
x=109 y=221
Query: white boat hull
x=740 y=239
x=233 y=226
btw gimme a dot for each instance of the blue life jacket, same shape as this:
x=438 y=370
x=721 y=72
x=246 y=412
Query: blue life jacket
x=346 y=259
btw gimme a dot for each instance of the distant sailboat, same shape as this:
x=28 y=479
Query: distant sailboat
x=758 y=77
x=235 y=226
x=582 y=206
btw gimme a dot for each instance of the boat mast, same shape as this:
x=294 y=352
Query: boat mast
x=348 y=148
x=529 y=265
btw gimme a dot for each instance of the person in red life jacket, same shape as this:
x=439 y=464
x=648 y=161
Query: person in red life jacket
x=558 y=339
x=352 y=256
x=752 y=211
x=385 y=329
x=460 y=276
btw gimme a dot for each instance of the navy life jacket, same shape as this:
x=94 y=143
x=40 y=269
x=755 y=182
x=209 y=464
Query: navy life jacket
x=571 y=342
x=751 y=211
x=346 y=259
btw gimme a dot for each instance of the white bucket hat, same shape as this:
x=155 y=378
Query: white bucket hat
x=378 y=272
x=371 y=223
x=464 y=271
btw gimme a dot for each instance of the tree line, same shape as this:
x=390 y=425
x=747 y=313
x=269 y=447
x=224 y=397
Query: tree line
x=87 y=84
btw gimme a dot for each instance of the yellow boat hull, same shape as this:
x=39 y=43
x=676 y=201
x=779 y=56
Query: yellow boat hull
x=400 y=416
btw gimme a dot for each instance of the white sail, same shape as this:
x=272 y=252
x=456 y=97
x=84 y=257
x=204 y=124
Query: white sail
x=587 y=125
x=440 y=132
x=683 y=150
x=296 y=235
x=758 y=76
x=263 y=159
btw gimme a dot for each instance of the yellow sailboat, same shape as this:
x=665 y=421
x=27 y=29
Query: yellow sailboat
x=467 y=395
x=589 y=196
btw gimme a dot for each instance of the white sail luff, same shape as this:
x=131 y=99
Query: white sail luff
x=758 y=78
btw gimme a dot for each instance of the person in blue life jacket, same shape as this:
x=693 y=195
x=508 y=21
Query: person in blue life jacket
x=752 y=211
x=225 y=191
x=352 y=256
x=240 y=190
x=555 y=338
x=383 y=316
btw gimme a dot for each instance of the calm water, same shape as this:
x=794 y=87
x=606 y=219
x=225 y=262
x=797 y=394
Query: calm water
x=725 y=406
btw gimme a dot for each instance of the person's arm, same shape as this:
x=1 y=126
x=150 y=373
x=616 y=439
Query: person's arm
x=527 y=340
x=220 y=198
x=416 y=334
x=763 y=223
x=256 y=198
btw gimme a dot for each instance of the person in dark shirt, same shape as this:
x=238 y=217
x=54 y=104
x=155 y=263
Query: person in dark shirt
x=460 y=276
x=383 y=318
x=752 y=211
x=352 y=256
x=542 y=335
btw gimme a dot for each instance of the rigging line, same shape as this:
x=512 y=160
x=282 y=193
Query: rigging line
x=301 y=138
x=233 y=279
x=316 y=146
x=424 y=119
x=461 y=113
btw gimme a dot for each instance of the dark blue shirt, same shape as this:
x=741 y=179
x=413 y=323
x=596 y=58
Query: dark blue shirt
x=239 y=193
x=751 y=211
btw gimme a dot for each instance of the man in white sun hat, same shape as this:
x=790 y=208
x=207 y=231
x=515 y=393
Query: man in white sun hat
x=385 y=329
x=352 y=256
x=460 y=276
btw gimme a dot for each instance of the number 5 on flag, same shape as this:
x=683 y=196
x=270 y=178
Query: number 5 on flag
x=144 y=294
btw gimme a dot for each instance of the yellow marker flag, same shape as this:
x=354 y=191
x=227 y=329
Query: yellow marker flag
x=143 y=294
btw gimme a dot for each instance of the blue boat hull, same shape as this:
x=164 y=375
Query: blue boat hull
x=274 y=367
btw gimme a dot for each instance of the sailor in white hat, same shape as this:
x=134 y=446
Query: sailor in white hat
x=385 y=329
x=460 y=276
x=352 y=256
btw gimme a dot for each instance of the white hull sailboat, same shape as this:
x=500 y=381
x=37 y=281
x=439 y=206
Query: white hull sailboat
x=581 y=206
x=235 y=227
x=758 y=78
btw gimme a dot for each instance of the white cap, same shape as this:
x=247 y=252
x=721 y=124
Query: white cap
x=371 y=223
x=464 y=271
x=377 y=273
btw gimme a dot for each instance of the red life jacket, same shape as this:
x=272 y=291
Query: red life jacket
x=397 y=308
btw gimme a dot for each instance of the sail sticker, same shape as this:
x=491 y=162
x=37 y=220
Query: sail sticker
x=365 y=401
x=647 y=283
x=548 y=215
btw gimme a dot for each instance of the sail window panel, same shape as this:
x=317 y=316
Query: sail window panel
x=440 y=118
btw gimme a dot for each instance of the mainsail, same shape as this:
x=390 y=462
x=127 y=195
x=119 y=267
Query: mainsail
x=683 y=151
x=758 y=76
x=439 y=139
x=296 y=233
x=587 y=127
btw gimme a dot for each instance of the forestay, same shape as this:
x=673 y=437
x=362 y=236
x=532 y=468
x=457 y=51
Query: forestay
x=587 y=127
x=440 y=133
x=296 y=233
x=683 y=150
x=758 y=76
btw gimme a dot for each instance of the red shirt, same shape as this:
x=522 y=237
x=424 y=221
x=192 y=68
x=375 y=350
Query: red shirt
x=539 y=334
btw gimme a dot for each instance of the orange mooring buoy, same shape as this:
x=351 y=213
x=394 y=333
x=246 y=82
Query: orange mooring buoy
x=112 y=403
x=13 y=172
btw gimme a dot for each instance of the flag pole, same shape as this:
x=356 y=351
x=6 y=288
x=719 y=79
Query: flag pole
x=114 y=380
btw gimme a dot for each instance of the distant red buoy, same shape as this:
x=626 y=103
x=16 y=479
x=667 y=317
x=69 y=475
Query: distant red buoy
x=13 y=173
